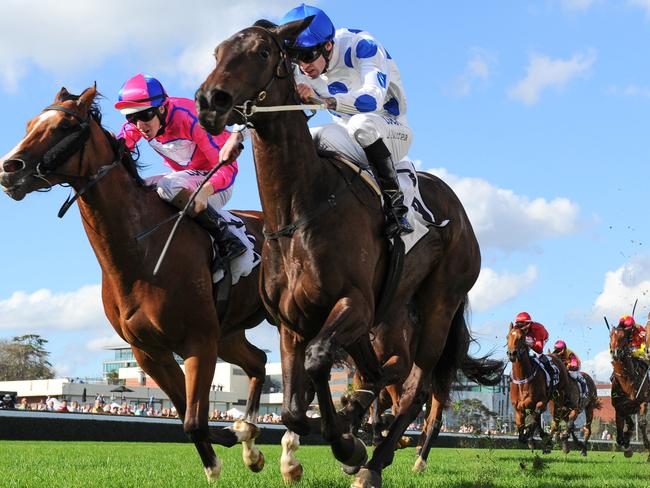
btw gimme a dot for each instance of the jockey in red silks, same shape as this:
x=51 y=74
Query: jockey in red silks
x=172 y=128
x=536 y=335
x=638 y=340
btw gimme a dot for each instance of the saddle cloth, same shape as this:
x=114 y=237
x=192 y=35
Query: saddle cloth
x=552 y=376
x=419 y=216
x=241 y=265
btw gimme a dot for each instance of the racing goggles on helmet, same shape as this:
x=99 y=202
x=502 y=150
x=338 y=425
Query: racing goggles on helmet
x=306 y=55
x=143 y=115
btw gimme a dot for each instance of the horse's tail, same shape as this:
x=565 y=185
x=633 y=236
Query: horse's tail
x=455 y=358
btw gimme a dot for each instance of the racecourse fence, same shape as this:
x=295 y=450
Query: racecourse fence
x=35 y=425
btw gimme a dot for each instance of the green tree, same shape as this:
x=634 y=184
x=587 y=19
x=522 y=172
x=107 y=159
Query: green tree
x=25 y=358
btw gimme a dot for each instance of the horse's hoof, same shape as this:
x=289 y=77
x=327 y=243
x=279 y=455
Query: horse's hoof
x=213 y=472
x=404 y=442
x=420 y=465
x=359 y=455
x=546 y=450
x=293 y=475
x=258 y=465
x=350 y=470
x=583 y=453
x=628 y=452
x=367 y=479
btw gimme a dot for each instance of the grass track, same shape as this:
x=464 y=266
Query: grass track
x=141 y=465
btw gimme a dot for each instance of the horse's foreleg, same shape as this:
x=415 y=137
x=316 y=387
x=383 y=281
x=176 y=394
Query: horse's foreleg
x=643 y=426
x=346 y=323
x=295 y=392
x=165 y=371
x=236 y=349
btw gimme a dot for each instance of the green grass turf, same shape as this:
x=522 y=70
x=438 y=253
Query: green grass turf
x=113 y=465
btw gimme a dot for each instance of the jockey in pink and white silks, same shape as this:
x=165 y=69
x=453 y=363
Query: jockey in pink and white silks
x=359 y=82
x=171 y=127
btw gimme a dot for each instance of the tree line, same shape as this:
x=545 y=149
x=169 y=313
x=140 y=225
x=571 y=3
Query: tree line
x=25 y=358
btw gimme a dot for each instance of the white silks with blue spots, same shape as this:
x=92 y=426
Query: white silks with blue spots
x=367 y=86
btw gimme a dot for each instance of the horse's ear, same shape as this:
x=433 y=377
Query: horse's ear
x=511 y=325
x=266 y=24
x=289 y=31
x=63 y=93
x=88 y=96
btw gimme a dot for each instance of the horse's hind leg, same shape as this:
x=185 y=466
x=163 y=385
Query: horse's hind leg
x=434 y=423
x=167 y=374
x=643 y=427
x=236 y=349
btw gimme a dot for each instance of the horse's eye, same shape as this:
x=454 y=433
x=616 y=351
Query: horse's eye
x=265 y=54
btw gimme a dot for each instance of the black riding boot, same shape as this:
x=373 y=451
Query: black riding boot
x=394 y=209
x=228 y=244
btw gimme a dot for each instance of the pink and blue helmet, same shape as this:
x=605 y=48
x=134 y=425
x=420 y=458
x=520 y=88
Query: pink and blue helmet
x=139 y=93
x=318 y=32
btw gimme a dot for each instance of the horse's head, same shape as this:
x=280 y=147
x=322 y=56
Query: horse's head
x=52 y=140
x=517 y=342
x=248 y=64
x=619 y=340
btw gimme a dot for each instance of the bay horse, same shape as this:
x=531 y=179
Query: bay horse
x=325 y=257
x=158 y=316
x=630 y=390
x=574 y=405
x=529 y=392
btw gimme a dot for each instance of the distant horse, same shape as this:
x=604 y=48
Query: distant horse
x=529 y=392
x=173 y=312
x=573 y=406
x=325 y=257
x=630 y=390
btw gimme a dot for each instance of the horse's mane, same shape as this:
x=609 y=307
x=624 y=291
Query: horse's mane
x=118 y=145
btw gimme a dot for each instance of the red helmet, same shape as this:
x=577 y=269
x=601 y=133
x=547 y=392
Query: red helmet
x=559 y=345
x=626 y=321
x=523 y=317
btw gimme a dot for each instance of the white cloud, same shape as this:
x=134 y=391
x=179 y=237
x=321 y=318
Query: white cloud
x=508 y=221
x=575 y=5
x=101 y=343
x=31 y=34
x=543 y=72
x=478 y=68
x=600 y=367
x=644 y=4
x=47 y=310
x=622 y=287
x=493 y=288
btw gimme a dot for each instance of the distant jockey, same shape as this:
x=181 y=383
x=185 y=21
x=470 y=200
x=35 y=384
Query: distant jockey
x=536 y=334
x=571 y=361
x=638 y=335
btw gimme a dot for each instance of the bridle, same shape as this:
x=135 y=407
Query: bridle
x=63 y=150
x=250 y=107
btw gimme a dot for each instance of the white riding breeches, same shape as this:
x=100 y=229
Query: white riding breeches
x=169 y=184
x=350 y=136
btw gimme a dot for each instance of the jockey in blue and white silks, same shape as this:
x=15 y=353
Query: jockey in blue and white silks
x=360 y=83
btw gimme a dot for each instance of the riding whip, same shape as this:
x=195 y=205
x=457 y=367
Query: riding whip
x=184 y=211
x=607 y=324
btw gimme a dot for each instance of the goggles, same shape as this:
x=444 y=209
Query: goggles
x=143 y=116
x=306 y=55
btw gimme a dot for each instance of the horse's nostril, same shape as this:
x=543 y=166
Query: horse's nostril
x=13 y=165
x=220 y=100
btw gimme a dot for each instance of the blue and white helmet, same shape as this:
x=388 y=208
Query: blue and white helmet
x=318 y=32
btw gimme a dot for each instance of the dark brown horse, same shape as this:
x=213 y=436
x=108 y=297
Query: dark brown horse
x=630 y=390
x=574 y=405
x=325 y=258
x=529 y=392
x=173 y=312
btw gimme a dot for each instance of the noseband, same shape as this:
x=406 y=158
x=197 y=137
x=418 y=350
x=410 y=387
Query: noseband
x=64 y=150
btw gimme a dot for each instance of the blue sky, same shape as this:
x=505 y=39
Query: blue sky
x=536 y=113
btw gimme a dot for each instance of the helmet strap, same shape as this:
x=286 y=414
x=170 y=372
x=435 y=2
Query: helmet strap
x=162 y=117
x=327 y=55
